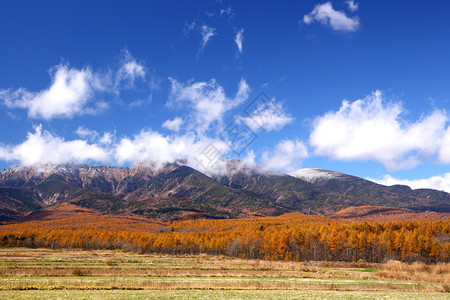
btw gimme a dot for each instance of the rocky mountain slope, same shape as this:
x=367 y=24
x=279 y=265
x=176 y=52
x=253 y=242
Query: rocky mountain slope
x=178 y=191
x=371 y=193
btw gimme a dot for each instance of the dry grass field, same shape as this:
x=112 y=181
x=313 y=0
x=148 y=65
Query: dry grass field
x=218 y=294
x=101 y=274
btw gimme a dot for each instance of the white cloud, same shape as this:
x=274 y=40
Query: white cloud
x=248 y=161
x=108 y=138
x=68 y=95
x=86 y=133
x=440 y=182
x=197 y=151
x=207 y=100
x=370 y=129
x=287 y=156
x=188 y=27
x=139 y=103
x=228 y=12
x=239 y=39
x=156 y=149
x=268 y=116
x=129 y=71
x=44 y=148
x=174 y=124
x=444 y=150
x=207 y=33
x=75 y=92
x=352 y=5
x=326 y=15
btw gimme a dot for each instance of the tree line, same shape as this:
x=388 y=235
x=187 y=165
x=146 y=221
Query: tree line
x=295 y=237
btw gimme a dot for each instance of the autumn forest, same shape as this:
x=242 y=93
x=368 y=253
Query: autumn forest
x=290 y=237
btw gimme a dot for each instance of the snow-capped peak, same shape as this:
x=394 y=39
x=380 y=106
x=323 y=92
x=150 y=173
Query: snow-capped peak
x=313 y=175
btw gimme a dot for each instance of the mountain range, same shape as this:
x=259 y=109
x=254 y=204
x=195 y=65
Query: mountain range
x=177 y=191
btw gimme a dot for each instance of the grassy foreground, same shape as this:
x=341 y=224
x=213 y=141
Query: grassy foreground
x=219 y=294
x=80 y=274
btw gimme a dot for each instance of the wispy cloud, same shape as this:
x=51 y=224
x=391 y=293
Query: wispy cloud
x=86 y=133
x=207 y=33
x=129 y=71
x=239 y=39
x=268 y=116
x=328 y=16
x=140 y=102
x=228 y=12
x=188 y=27
x=352 y=5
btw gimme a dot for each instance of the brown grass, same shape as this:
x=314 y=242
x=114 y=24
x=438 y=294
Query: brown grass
x=417 y=271
x=23 y=269
x=150 y=284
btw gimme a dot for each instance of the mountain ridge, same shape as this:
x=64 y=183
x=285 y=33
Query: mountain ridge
x=177 y=190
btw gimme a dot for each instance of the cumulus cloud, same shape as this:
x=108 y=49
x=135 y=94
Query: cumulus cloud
x=174 y=124
x=44 y=148
x=328 y=16
x=207 y=33
x=440 y=182
x=157 y=149
x=68 y=95
x=239 y=39
x=207 y=100
x=74 y=92
x=352 y=5
x=129 y=71
x=267 y=116
x=372 y=129
x=286 y=156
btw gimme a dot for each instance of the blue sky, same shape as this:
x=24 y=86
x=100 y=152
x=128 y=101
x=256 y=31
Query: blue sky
x=360 y=87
